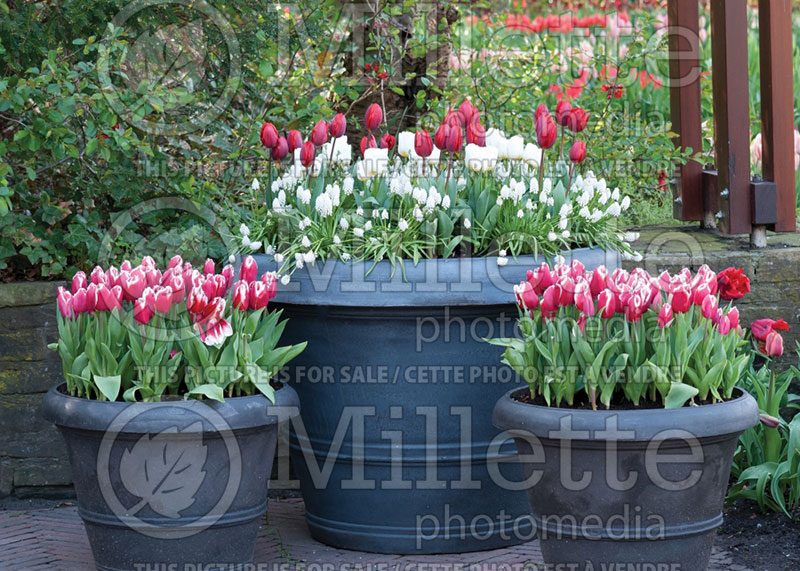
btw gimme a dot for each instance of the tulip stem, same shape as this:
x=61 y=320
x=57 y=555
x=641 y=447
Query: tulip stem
x=333 y=144
x=541 y=172
x=447 y=179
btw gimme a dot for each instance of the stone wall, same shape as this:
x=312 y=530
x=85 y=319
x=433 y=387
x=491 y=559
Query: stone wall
x=774 y=272
x=33 y=459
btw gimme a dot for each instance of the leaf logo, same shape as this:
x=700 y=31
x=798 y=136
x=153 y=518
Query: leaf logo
x=165 y=470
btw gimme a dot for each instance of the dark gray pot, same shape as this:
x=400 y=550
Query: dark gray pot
x=370 y=340
x=665 y=528
x=193 y=495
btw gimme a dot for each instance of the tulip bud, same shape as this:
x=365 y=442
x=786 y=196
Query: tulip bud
x=98 y=276
x=78 y=282
x=546 y=131
x=294 y=139
x=249 y=270
x=240 y=294
x=319 y=134
x=466 y=111
x=606 y=304
x=769 y=421
x=550 y=301
x=733 y=317
x=541 y=109
x=681 y=301
x=197 y=300
x=228 y=272
x=563 y=110
x=178 y=290
x=270 y=280
x=175 y=261
x=258 y=295
x=709 y=307
x=91 y=298
x=64 y=301
x=209 y=268
x=387 y=141
x=109 y=298
x=423 y=145
x=454 y=139
x=441 y=136
x=599 y=280
x=578 y=152
x=665 y=315
x=526 y=297
x=773 y=346
x=307 y=153
x=338 y=125
x=125 y=266
x=153 y=276
x=280 y=150
x=269 y=135
x=373 y=117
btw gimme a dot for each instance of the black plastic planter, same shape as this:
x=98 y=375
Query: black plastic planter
x=171 y=484
x=396 y=389
x=591 y=513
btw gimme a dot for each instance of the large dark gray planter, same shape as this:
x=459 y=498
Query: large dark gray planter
x=175 y=483
x=397 y=363
x=667 y=517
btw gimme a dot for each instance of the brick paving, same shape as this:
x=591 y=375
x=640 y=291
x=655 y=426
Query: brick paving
x=54 y=539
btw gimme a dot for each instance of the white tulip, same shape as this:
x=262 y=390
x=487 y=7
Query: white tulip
x=515 y=147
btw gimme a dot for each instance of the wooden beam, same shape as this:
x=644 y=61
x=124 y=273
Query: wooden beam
x=777 y=106
x=731 y=113
x=684 y=93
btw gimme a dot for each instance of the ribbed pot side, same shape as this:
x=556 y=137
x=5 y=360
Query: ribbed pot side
x=631 y=487
x=395 y=453
x=175 y=483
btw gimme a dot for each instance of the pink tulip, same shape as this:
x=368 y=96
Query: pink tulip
x=197 y=300
x=109 y=299
x=606 y=304
x=773 y=346
x=724 y=325
x=249 y=270
x=526 y=297
x=98 y=276
x=550 y=299
x=79 y=281
x=211 y=324
x=665 y=315
x=733 y=317
x=240 y=295
x=64 y=301
x=153 y=276
x=178 y=290
x=142 y=313
x=209 y=268
x=125 y=266
x=163 y=299
x=258 y=295
x=270 y=279
x=175 y=262
x=583 y=298
x=79 y=302
x=227 y=273
x=91 y=298
x=681 y=301
x=709 y=306
x=599 y=280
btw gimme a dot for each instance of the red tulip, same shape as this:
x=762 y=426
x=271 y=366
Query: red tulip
x=773 y=345
x=563 y=110
x=526 y=297
x=64 y=301
x=681 y=301
x=178 y=290
x=142 y=312
x=635 y=307
x=546 y=131
x=454 y=139
x=606 y=304
x=209 y=287
x=701 y=292
x=578 y=119
x=211 y=324
x=269 y=135
x=319 y=134
x=583 y=298
x=550 y=301
x=368 y=142
x=240 y=295
x=338 y=125
x=78 y=282
x=209 y=268
x=373 y=117
x=466 y=112
x=387 y=142
x=294 y=140
x=270 y=279
x=599 y=280
x=197 y=300
x=163 y=300
x=91 y=297
x=665 y=315
x=541 y=278
x=280 y=150
x=249 y=270
x=476 y=134
x=578 y=152
x=307 y=153
x=258 y=295
x=423 y=144
x=440 y=138
x=732 y=284
x=762 y=327
x=109 y=298
x=541 y=109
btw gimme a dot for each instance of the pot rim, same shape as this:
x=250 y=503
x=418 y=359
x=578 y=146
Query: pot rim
x=239 y=413
x=723 y=418
x=433 y=282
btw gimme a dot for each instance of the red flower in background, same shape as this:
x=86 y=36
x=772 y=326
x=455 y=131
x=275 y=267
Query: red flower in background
x=373 y=117
x=732 y=283
x=763 y=327
x=423 y=144
x=387 y=141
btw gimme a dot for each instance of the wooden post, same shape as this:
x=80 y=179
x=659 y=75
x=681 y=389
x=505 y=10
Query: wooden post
x=731 y=113
x=777 y=106
x=684 y=93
